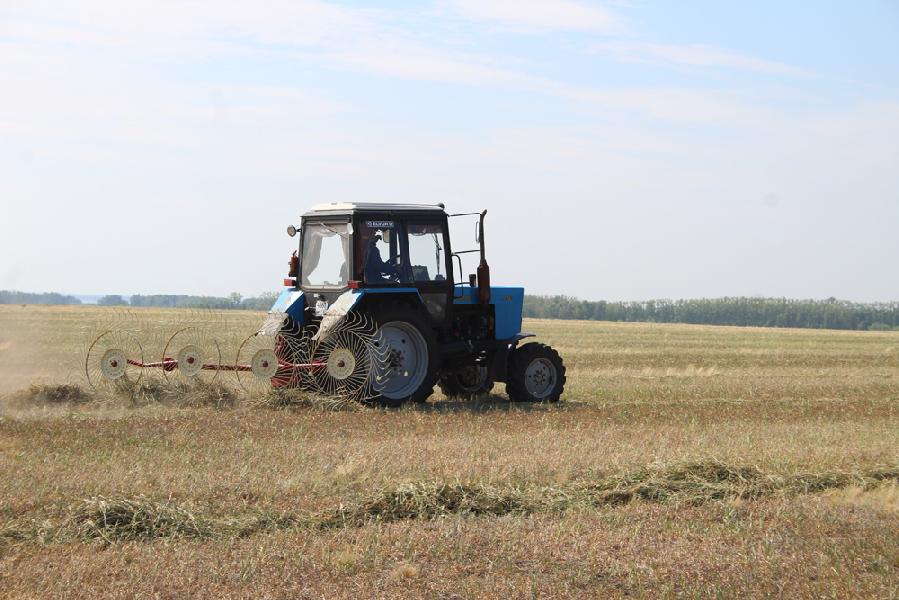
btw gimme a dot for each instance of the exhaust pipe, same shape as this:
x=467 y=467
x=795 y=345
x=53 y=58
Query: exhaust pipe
x=483 y=267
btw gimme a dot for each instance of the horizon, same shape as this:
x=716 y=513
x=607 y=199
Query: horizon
x=93 y=298
x=622 y=150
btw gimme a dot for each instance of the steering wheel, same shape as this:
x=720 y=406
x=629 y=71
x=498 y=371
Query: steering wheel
x=390 y=270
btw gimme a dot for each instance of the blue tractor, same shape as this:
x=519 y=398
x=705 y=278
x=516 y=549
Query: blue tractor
x=394 y=265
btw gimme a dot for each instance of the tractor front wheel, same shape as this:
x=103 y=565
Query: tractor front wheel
x=466 y=383
x=536 y=374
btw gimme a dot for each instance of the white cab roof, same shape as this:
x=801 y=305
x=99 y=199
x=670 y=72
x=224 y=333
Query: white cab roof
x=345 y=207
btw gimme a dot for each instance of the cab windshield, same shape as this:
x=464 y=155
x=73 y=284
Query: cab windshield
x=326 y=251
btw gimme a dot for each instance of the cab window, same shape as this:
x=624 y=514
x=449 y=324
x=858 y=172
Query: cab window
x=380 y=246
x=326 y=252
x=427 y=258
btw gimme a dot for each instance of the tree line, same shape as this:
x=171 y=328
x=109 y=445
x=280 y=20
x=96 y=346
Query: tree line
x=742 y=311
x=233 y=301
x=15 y=297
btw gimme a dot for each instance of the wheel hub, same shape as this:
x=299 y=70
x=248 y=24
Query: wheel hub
x=113 y=363
x=190 y=361
x=404 y=362
x=264 y=364
x=341 y=363
x=395 y=359
x=540 y=378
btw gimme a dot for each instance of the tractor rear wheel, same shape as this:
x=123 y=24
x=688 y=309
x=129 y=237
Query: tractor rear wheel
x=466 y=383
x=536 y=374
x=405 y=368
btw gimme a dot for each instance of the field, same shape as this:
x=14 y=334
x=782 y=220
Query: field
x=685 y=461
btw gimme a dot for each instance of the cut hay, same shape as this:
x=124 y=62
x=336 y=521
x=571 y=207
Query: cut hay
x=689 y=483
x=47 y=395
x=195 y=394
x=111 y=520
x=692 y=483
x=122 y=519
x=426 y=500
x=176 y=394
x=706 y=481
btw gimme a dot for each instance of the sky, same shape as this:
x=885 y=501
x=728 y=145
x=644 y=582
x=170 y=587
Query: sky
x=624 y=150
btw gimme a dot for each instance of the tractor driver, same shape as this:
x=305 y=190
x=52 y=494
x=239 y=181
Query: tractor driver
x=376 y=270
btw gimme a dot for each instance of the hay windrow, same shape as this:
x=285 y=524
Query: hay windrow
x=115 y=520
x=431 y=500
x=691 y=483
x=110 y=520
x=47 y=395
x=175 y=394
x=180 y=394
x=134 y=395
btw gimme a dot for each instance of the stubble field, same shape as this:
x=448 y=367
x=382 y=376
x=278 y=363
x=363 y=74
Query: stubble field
x=685 y=461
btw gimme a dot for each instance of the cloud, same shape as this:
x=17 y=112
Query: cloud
x=694 y=55
x=538 y=15
x=400 y=44
x=382 y=42
x=83 y=111
x=164 y=28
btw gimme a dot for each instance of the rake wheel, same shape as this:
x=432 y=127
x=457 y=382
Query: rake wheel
x=108 y=360
x=257 y=351
x=194 y=349
x=348 y=356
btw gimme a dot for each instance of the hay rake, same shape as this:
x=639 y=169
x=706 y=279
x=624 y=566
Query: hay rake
x=339 y=363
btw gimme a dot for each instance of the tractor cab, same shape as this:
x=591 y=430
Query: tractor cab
x=376 y=248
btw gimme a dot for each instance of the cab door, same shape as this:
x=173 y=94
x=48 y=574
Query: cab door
x=428 y=258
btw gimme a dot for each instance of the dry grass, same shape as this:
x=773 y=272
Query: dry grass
x=803 y=547
x=884 y=497
x=175 y=393
x=687 y=461
x=45 y=394
x=140 y=394
x=296 y=399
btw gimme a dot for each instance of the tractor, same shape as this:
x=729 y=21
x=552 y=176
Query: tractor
x=391 y=268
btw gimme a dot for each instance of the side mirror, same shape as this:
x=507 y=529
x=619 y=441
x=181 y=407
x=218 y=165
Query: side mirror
x=291 y=230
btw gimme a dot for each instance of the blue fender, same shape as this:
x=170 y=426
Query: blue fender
x=348 y=300
x=292 y=302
